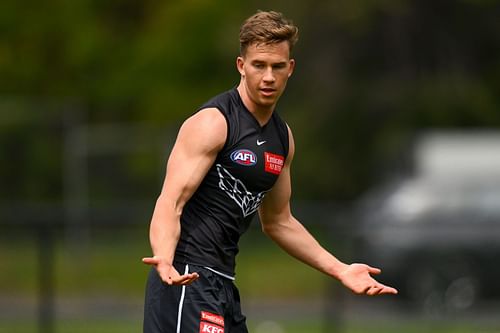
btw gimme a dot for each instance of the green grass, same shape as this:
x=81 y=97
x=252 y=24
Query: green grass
x=293 y=326
x=125 y=326
x=18 y=264
x=264 y=270
x=109 y=265
x=75 y=326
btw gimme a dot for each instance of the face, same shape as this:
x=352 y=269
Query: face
x=264 y=69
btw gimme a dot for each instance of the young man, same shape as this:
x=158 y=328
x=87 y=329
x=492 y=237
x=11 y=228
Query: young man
x=232 y=159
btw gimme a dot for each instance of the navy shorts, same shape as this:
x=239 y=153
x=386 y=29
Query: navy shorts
x=211 y=304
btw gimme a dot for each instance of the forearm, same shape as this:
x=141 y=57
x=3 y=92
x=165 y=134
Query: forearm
x=291 y=236
x=165 y=229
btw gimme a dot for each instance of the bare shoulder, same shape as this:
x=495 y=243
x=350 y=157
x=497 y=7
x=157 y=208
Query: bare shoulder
x=206 y=127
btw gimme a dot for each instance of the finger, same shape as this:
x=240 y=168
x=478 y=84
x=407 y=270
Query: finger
x=184 y=282
x=192 y=277
x=185 y=279
x=188 y=277
x=374 y=290
x=381 y=289
x=189 y=281
x=364 y=291
x=389 y=290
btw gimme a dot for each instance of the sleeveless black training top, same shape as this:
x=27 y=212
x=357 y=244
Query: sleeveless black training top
x=222 y=207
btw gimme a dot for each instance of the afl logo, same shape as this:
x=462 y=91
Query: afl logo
x=244 y=157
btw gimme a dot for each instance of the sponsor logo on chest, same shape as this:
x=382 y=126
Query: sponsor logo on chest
x=244 y=157
x=273 y=163
x=211 y=323
x=213 y=318
x=210 y=328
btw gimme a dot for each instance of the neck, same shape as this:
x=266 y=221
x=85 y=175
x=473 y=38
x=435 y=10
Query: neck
x=261 y=113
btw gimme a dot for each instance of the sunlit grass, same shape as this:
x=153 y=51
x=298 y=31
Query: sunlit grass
x=109 y=262
x=290 y=326
x=108 y=265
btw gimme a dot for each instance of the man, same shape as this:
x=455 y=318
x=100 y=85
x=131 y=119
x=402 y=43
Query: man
x=231 y=159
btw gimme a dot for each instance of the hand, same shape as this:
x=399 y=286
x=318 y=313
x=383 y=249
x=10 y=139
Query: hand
x=357 y=278
x=168 y=273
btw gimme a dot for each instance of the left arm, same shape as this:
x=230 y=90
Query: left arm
x=283 y=228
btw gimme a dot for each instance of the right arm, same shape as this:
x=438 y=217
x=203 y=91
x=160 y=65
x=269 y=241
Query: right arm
x=199 y=140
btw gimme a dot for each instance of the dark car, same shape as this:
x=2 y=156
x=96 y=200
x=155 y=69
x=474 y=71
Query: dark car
x=436 y=234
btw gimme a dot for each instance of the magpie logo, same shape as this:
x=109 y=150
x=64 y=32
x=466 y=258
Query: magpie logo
x=236 y=190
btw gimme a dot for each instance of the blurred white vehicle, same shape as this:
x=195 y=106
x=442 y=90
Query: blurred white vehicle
x=436 y=233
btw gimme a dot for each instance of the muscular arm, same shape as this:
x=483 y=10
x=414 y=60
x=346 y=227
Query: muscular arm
x=284 y=229
x=199 y=140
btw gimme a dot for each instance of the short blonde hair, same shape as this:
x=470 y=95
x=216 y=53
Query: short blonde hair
x=267 y=28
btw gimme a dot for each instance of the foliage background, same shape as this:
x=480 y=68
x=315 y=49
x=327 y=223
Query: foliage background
x=370 y=76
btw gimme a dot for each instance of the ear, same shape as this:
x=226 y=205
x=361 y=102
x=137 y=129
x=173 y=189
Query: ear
x=240 y=62
x=292 y=67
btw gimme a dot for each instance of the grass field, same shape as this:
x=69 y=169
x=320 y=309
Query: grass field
x=126 y=326
x=109 y=262
x=107 y=267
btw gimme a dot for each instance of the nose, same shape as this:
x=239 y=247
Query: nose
x=269 y=75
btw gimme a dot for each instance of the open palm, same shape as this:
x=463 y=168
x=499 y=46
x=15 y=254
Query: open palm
x=357 y=277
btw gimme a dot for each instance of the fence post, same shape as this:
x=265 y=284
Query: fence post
x=46 y=306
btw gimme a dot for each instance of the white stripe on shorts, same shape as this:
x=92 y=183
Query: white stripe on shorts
x=181 y=303
x=219 y=273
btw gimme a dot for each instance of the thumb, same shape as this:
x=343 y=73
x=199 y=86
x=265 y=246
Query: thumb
x=373 y=270
x=150 y=261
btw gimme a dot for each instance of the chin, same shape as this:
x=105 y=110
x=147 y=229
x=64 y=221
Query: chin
x=268 y=102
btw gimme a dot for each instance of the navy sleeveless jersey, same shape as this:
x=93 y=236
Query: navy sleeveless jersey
x=222 y=207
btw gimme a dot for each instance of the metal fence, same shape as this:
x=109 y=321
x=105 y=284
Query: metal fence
x=106 y=179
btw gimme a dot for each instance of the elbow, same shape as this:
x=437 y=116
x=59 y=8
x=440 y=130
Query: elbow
x=272 y=229
x=270 y=232
x=265 y=225
x=266 y=229
x=273 y=225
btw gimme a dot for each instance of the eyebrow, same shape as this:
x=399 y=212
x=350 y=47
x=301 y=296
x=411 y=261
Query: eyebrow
x=279 y=63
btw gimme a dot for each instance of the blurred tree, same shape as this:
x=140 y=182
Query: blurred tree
x=377 y=72
x=369 y=74
x=118 y=61
x=127 y=60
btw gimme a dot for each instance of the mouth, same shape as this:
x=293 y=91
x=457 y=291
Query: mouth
x=267 y=91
